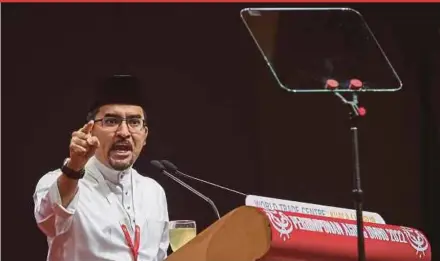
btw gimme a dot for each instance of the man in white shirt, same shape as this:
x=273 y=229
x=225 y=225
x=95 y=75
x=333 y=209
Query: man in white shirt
x=97 y=206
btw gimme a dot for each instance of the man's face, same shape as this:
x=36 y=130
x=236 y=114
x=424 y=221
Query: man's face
x=120 y=144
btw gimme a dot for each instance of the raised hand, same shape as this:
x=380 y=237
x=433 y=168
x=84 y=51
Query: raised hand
x=82 y=146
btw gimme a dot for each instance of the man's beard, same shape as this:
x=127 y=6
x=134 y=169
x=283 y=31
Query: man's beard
x=115 y=160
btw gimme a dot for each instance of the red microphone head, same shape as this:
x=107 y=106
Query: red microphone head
x=362 y=111
x=355 y=84
x=331 y=84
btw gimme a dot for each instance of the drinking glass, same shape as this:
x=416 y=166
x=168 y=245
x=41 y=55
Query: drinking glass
x=181 y=232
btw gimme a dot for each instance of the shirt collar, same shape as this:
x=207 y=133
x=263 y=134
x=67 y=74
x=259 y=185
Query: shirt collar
x=114 y=176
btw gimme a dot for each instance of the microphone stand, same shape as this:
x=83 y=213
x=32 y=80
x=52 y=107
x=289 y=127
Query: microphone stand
x=168 y=164
x=194 y=191
x=162 y=169
x=355 y=114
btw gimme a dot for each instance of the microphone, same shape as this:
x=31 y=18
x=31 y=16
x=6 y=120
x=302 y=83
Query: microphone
x=162 y=169
x=174 y=169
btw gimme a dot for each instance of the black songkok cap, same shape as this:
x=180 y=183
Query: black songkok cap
x=119 y=89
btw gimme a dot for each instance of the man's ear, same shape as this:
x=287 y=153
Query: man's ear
x=146 y=135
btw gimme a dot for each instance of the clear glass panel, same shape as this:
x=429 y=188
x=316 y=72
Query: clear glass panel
x=307 y=49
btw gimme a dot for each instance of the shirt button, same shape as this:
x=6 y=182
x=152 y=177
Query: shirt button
x=128 y=207
x=126 y=193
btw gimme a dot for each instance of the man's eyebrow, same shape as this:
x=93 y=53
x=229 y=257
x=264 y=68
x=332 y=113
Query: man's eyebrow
x=111 y=115
x=134 y=116
x=116 y=115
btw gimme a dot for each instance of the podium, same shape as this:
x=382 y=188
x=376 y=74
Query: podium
x=267 y=233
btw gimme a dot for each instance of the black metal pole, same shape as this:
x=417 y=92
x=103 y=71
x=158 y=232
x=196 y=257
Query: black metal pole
x=357 y=190
x=355 y=114
x=357 y=194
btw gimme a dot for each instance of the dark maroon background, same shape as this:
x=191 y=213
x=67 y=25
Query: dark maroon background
x=218 y=113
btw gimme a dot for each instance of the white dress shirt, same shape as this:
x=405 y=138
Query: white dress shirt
x=89 y=228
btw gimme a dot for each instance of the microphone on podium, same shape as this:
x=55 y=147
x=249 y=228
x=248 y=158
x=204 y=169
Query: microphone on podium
x=172 y=168
x=163 y=170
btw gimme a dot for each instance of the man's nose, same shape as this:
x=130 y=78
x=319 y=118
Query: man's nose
x=123 y=130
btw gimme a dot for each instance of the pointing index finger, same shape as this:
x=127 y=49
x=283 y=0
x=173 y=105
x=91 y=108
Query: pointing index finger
x=88 y=127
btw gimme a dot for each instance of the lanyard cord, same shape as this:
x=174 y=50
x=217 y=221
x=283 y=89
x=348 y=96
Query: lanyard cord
x=134 y=247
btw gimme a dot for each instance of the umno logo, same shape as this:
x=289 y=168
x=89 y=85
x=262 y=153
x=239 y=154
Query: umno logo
x=416 y=240
x=282 y=223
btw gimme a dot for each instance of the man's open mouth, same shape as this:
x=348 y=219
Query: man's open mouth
x=122 y=149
